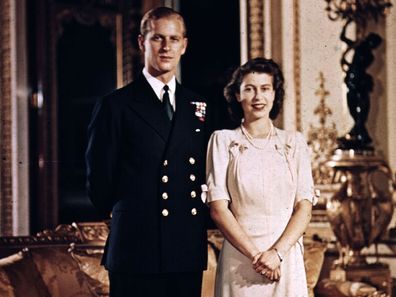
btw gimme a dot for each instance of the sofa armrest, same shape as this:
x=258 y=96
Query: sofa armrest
x=19 y=277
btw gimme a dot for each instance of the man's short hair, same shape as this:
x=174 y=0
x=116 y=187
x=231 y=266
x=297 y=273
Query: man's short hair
x=159 y=13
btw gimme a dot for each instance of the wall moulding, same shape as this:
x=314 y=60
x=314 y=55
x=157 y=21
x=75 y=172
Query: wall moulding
x=297 y=62
x=255 y=28
x=5 y=119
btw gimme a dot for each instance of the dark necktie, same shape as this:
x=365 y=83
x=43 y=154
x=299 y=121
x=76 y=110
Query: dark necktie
x=166 y=103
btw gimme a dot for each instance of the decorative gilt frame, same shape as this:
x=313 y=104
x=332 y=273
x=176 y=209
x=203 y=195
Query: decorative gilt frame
x=6 y=205
x=110 y=20
x=256 y=28
x=297 y=61
x=86 y=233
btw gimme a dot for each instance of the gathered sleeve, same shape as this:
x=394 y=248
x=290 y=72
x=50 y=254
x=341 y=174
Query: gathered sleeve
x=305 y=185
x=216 y=167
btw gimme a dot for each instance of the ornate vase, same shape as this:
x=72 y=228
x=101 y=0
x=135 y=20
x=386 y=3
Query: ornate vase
x=362 y=208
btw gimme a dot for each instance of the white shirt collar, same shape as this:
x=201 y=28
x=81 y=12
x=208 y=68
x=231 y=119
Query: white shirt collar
x=158 y=87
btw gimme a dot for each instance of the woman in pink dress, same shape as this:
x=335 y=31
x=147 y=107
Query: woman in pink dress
x=260 y=190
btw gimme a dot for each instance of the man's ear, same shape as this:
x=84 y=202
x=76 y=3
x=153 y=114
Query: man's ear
x=141 y=42
x=185 y=43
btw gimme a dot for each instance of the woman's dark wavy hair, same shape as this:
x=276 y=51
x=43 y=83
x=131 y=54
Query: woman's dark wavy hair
x=258 y=65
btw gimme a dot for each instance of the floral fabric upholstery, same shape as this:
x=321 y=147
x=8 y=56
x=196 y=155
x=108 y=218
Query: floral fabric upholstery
x=20 y=277
x=313 y=261
x=95 y=274
x=6 y=289
x=61 y=272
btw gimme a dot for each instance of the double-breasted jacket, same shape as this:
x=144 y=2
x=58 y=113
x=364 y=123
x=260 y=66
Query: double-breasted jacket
x=148 y=172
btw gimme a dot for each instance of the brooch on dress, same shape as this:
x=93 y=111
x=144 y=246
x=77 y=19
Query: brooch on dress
x=236 y=145
x=285 y=150
x=200 y=110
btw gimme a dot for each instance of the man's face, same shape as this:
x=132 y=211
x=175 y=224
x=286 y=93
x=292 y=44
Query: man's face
x=163 y=47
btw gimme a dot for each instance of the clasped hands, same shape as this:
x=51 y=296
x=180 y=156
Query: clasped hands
x=267 y=263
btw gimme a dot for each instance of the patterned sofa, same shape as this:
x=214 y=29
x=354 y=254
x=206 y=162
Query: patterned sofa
x=65 y=262
x=60 y=263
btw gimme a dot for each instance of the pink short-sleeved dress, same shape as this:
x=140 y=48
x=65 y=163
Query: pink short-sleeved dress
x=263 y=179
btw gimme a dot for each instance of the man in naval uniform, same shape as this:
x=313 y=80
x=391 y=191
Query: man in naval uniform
x=145 y=166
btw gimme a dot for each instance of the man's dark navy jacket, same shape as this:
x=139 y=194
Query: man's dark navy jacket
x=148 y=172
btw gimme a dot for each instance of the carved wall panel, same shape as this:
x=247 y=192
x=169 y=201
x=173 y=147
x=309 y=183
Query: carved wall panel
x=5 y=119
x=255 y=28
x=297 y=61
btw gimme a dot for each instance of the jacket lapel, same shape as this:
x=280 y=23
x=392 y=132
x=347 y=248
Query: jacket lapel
x=145 y=103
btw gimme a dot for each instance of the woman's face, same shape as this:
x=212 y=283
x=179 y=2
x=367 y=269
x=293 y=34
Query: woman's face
x=256 y=95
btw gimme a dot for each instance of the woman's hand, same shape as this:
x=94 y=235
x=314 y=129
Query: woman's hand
x=259 y=267
x=273 y=275
x=266 y=260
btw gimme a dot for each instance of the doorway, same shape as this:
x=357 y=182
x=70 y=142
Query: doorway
x=78 y=51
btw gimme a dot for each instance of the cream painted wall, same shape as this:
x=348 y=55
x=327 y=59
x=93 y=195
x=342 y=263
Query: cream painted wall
x=321 y=50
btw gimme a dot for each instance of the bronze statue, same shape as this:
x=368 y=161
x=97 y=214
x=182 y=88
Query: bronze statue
x=359 y=84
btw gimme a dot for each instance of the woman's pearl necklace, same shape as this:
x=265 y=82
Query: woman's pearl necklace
x=250 y=138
